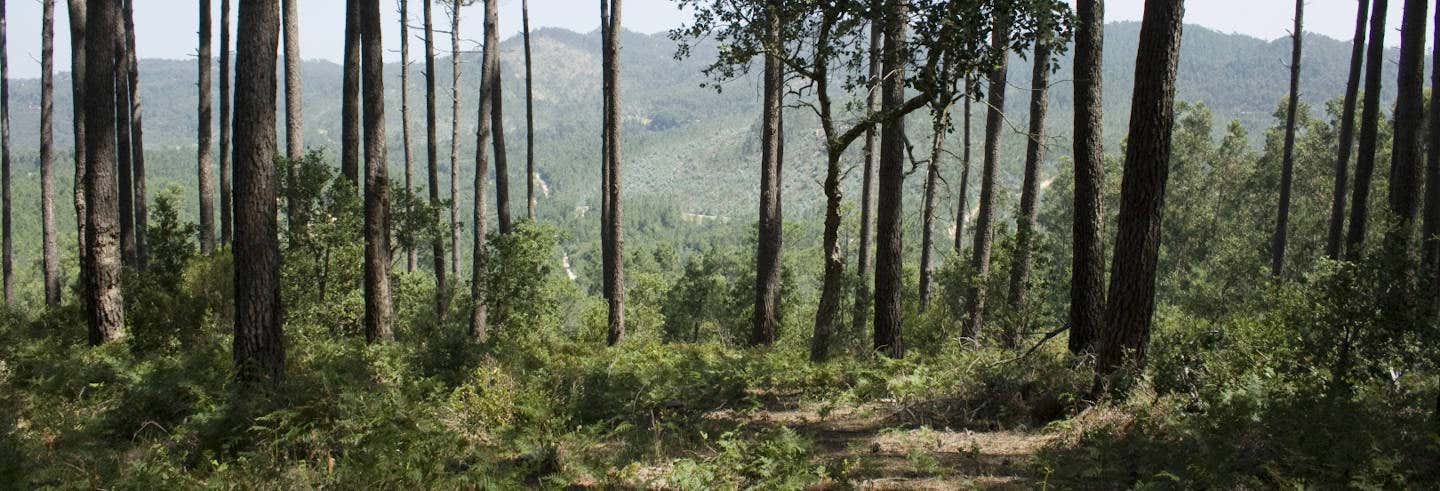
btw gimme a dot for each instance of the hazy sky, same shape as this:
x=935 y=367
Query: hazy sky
x=167 y=27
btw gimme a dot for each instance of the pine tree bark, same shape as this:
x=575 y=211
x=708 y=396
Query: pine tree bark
x=497 y=123
x=202 y=138
x=259 y=339
x=378 y=306
x=123 y=151
x=105 y=301
x=411 y=257
x=226 y=214
x=78 y=80
x=766 y=317
x=7 y=242
x=1142 y=197
x=455 y=141
x=939 y=126
x=137 y=138
x=49 y=248
x=1430 y=234
x=1408 y=150
x=604 y=149
x=889 y=247
x=1287 y=166
x=984 y=227
x=1087 y=266
x=432 y=166
x=1335 y=236
x=613 y=232
x=865 y=261
x=479 y=328
x=963 y=195
x=1369 y=129
x=1030 y=186
x=350 y=95
x=530 y=175
x=294 y=145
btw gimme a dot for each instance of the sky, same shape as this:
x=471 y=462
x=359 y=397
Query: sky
x=167 y=31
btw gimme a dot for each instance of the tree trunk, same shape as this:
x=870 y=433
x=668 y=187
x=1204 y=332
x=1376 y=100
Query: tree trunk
x=1430 y=235
x=1142 y=195
x=202 y=138
x=479 y=329
x=984 y=227
x=1408 y=150
x=864 y=261
x=294 y=145
x=530 y=175
x=1369 y=129
x=123 y=151
x=411 y=257
x=226 y=215
x=77 y=91
x=7 y=265
x=1030 y=188
x=378 y=307
x=47 y=153
x=768 y=244
x=964 y=194
x=455 y=141
x=1347 y=135
x=432 y=168
x=102 y=288
x=889 y=248
x=259 y=344
x=613 y=232
x=137 y=138
x=497 y=123
x=932 y=183
x=604 y=149
x=350 y=96
x=1087 y=263
x=1287 y=166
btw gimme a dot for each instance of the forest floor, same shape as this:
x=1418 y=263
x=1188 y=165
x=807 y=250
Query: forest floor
x=879 y=446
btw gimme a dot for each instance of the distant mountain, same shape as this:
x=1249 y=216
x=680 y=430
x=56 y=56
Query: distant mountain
x=687 y=144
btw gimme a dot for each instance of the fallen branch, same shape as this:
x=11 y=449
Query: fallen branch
x=1046 y=339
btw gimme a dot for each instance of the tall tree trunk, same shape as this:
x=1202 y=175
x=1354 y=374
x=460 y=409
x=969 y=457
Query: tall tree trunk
x=1087 y=262
x=604 y=149
x=497 y=124
x=7 y=266
x=123 y=151
x=47 y=153
x=963 y=195
x=1030 y=186
x=984 y=227
x=1287 y=166
x=226 y=215
x=202 y=138
x=613 y=232
x=530 y=175
x=479 y=328
x=259 y=337
x=102 y=288
x=1142 y=194
x=1347 y=135
x=941 y=115
x=411 y=257
x=1430 y=235
x=864 y=261
x=1369 y=129
x=294 y=145
x=889 y=247
x=769 y=242
x=350 y=96
x=432 y=168
x=78 y=80
x=378 y=307
x=1408 y=150
x=455 y=140
x=137 y=138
